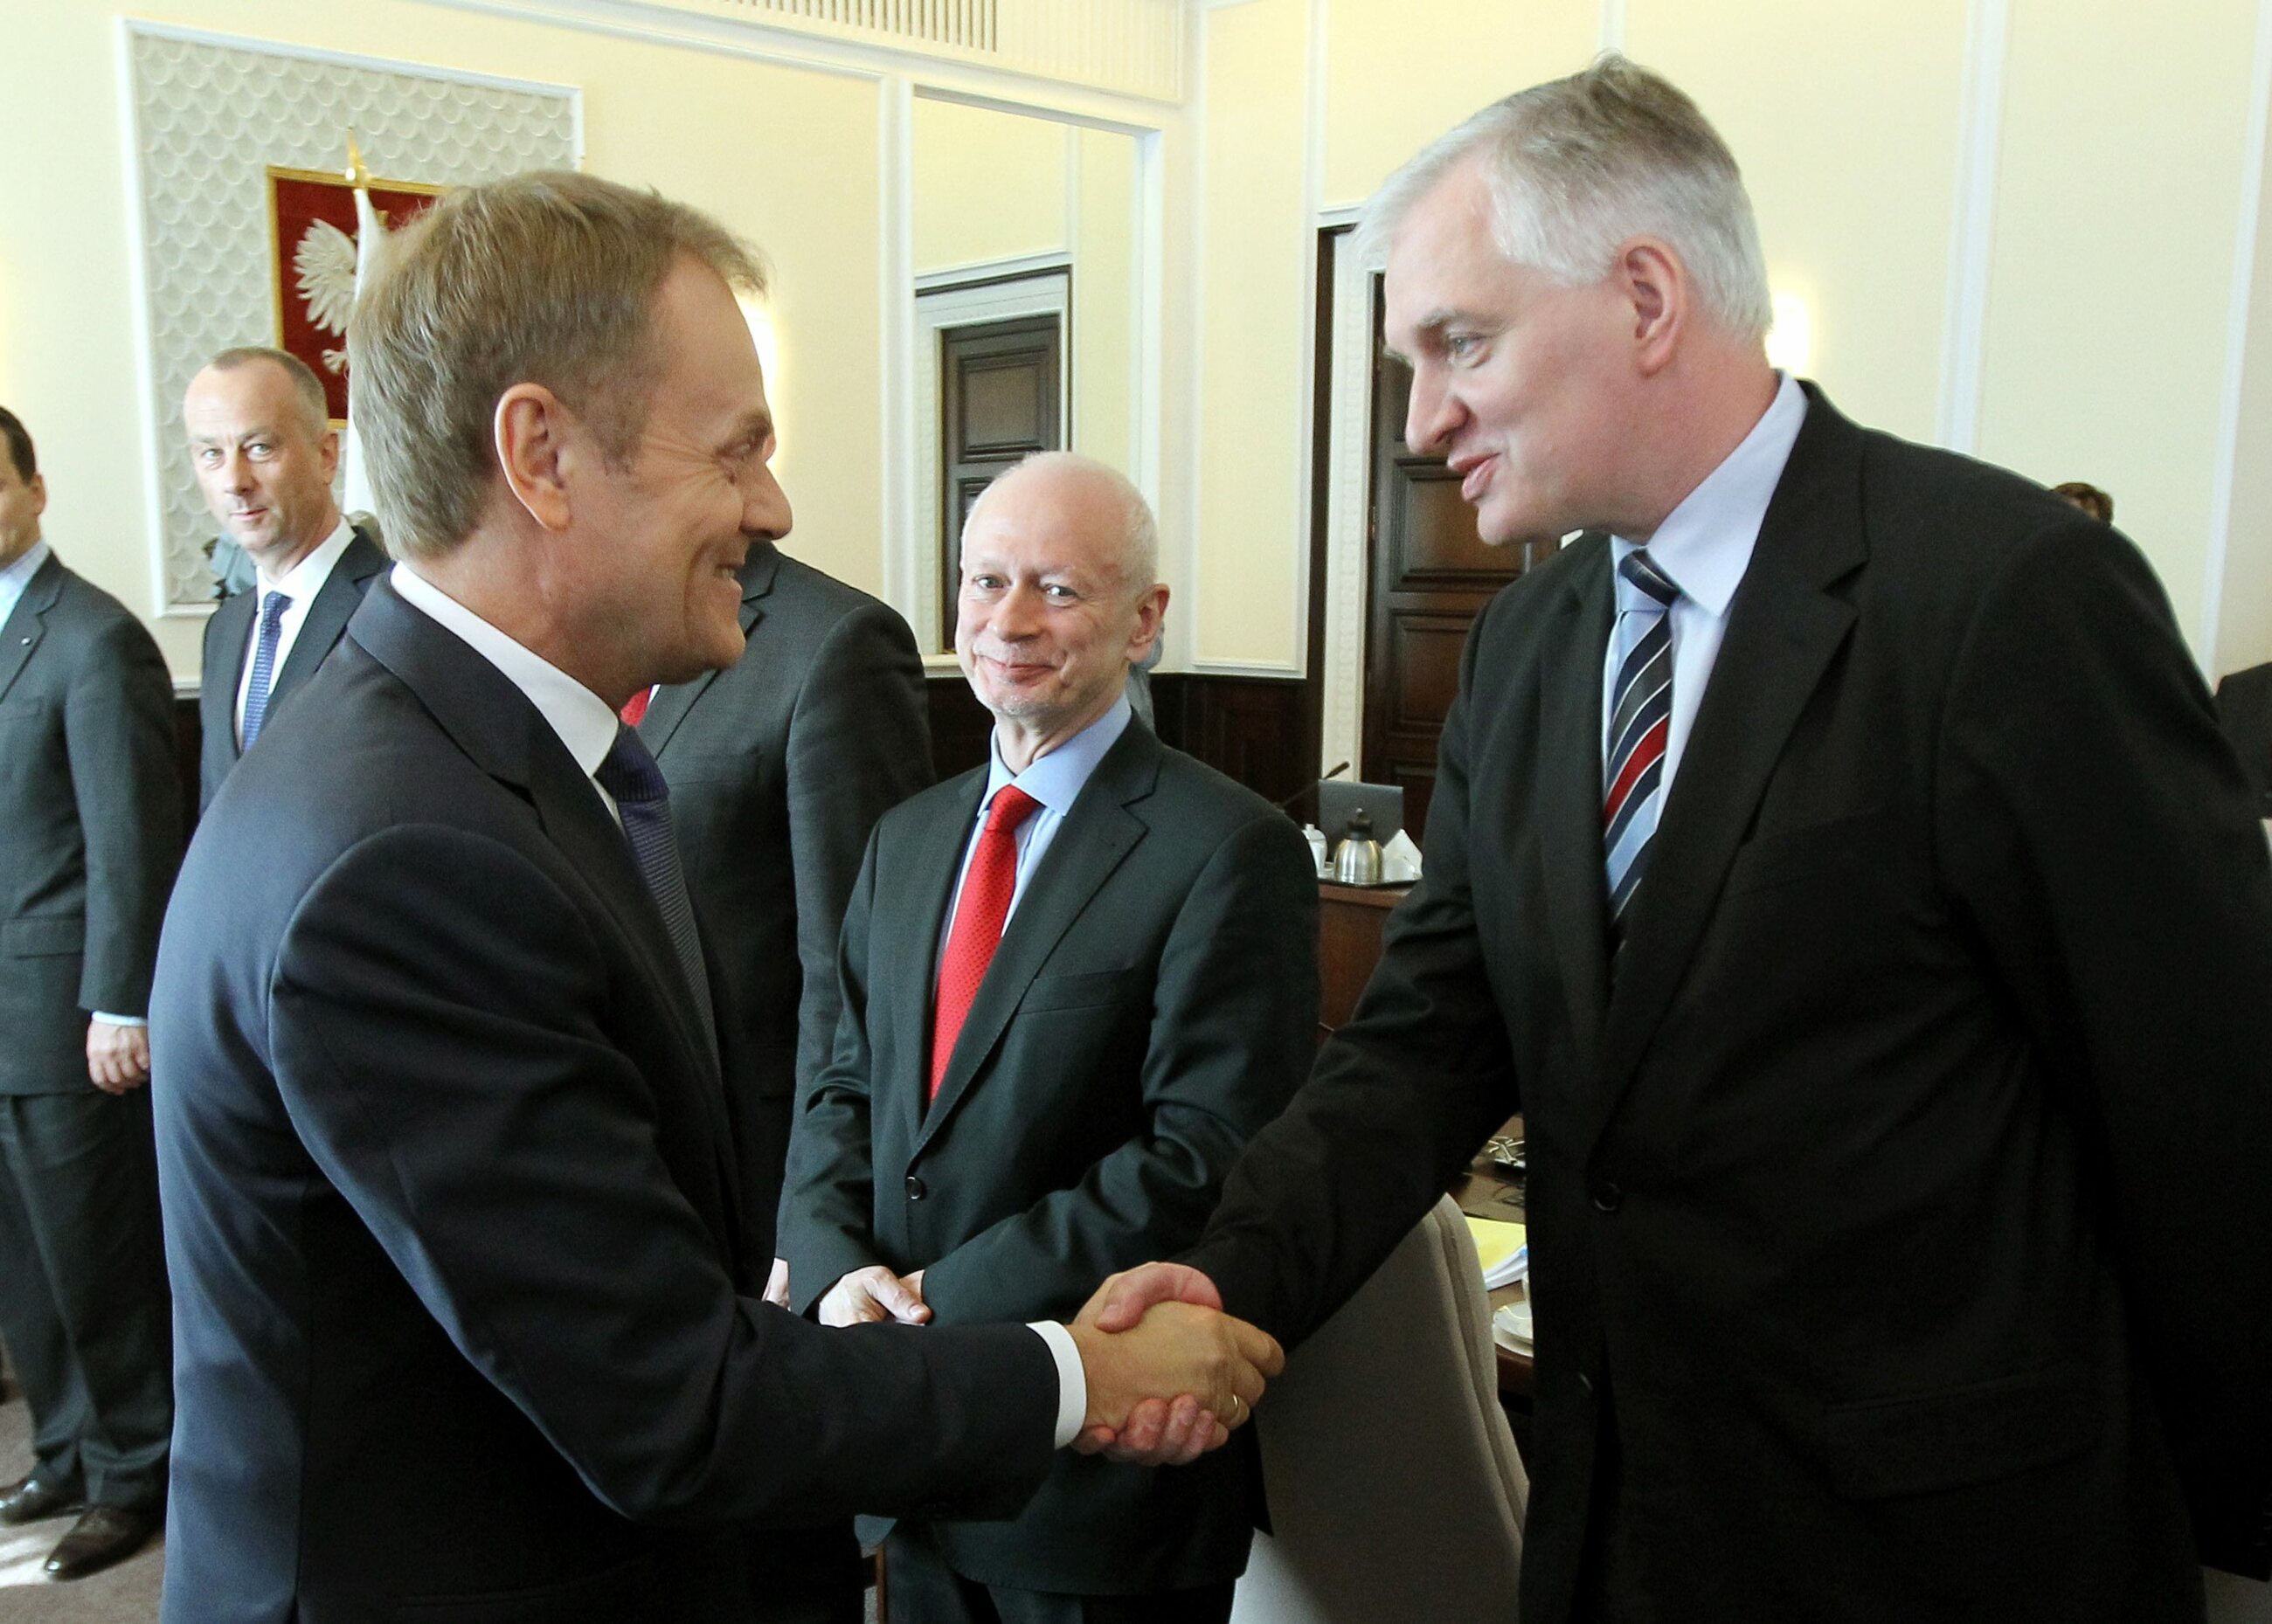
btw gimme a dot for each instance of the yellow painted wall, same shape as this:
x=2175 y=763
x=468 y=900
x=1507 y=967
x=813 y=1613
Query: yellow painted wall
x=1398 y=76
x=987 y=185
x=67 y=348
x=1103 y=289
x=2117 y=206
x=1255 y=240
x=1852 y=166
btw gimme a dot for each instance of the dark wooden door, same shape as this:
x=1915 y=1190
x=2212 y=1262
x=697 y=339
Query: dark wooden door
x=1000 y=385
x=1429 y=574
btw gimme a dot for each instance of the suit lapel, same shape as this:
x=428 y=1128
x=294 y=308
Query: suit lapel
x=492 y=721
x=26 y=621
x=669 y=708
x=934 y=857
x=1570 y=797
x=328 y=615
x=1783 y=631
x=1097 y=835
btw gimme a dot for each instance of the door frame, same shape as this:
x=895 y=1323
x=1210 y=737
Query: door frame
x=1031 y=287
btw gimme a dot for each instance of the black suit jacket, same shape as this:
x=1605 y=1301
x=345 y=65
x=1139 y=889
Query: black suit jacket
x=227 y=641
x=2243 y=709
x=779 y=766
x=462 y=1307
x=1901 y=1210
x=1152 y=1004
x=92 y=820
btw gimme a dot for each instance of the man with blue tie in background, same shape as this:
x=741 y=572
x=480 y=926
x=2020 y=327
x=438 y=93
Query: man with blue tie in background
x=264 y=450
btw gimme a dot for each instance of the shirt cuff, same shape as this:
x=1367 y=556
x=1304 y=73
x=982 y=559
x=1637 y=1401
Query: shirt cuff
x=121 y=1020
x=1073 y=1380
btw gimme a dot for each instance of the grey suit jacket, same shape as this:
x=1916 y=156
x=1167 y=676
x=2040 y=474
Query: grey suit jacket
x=93 y=822
x=229 y=634
x=777 y=769
x=1152 y=1004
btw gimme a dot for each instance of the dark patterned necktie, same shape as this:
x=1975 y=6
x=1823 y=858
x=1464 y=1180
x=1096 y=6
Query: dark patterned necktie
x=264 y=663
x=1641 y=723
x=643 y=801
x=988 y=886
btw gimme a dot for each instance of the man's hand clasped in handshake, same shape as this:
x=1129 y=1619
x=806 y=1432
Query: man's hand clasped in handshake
x=1170 y=1375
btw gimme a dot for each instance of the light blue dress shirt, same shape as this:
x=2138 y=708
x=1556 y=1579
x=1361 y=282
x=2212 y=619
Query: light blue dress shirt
x=17 y=576
x=1704 y=546
x=1056 y=781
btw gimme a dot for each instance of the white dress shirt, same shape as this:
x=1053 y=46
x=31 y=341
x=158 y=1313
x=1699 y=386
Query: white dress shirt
x=300 y=583
x=587 y=727
x=1703 y=547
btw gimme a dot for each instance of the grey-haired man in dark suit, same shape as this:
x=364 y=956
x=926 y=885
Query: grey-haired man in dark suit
x=87 y=797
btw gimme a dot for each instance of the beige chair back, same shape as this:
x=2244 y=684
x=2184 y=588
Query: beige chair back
x=1395 y=1491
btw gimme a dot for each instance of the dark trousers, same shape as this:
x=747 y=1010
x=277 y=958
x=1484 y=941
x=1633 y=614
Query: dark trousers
x=921 y=1588
x=82 y=1299
x=808 y=1575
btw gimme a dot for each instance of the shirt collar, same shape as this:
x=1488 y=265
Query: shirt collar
x=1059 y=777
x=18 y=575
x=581 y=719
x=1705 y=544
x=303 y=580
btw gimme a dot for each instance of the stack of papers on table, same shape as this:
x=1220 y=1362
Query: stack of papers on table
x=1500 y=1244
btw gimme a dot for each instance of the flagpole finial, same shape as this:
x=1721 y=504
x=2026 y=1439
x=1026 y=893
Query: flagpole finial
x=358 y=175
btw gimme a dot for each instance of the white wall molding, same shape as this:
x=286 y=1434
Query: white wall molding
x=1611 y=36
x=206 y=115
x=1348 y=502
x=2208 y=636
x=1042 y=293
x=895 y=293
x=1021 y=265
x=1971 y=242
x=770 y=38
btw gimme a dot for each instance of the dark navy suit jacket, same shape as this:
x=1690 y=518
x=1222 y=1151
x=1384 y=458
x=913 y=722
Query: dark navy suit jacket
x=465 y=1317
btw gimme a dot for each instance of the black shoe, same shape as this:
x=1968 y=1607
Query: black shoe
x=105 y=1535
x=27 y=1499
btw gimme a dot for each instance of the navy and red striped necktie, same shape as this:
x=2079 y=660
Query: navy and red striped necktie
x=1640 y=725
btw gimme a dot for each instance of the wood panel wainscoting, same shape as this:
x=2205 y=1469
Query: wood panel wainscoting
x=1262 y=731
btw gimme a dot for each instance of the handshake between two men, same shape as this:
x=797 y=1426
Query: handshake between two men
x=1170 y=1375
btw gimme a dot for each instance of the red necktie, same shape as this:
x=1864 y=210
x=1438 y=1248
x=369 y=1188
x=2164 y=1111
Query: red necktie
x=634 y=709
x=986 y=888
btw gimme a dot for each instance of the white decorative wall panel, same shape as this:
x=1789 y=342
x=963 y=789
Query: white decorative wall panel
x=209 y=119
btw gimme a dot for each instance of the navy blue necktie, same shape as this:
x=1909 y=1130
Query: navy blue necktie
x=264 y=663
x=643 y=801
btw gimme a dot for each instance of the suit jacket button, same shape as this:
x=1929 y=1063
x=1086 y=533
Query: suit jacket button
x=1608 y=1195
x=914 y=1187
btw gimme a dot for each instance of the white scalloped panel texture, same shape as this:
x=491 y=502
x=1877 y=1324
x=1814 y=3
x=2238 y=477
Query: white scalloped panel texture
x=209 y=120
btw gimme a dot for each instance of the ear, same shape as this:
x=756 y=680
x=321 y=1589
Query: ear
x=1151 y=614
x=39 y=488
x=1653 y=282
x=533 y=429
x=327 y=447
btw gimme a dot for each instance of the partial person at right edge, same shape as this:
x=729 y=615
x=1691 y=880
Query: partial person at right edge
x=264 y=450
x=2243 y=710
